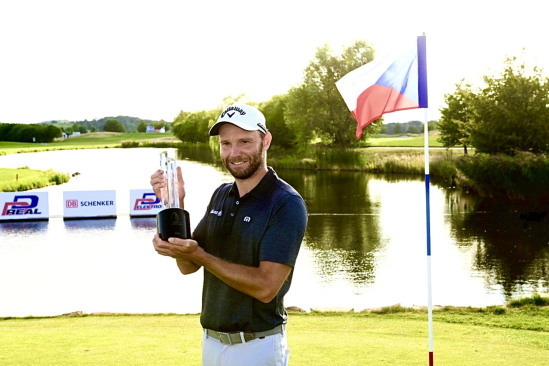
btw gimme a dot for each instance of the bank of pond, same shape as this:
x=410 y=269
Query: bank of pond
x=523 y=176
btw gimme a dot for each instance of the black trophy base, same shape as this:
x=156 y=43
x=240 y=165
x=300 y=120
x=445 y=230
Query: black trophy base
x=173 y=223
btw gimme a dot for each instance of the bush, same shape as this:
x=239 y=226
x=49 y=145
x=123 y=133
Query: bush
x=523 y=176
x=129 y=144
x=113 y=125
x=535 y=300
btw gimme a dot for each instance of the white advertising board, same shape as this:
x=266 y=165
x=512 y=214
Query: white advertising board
x=89 y=204
x=24 y=206
x=143 y=202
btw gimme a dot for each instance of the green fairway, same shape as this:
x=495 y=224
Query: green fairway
x=96 y=140
x=414 y=141
x=461 y=337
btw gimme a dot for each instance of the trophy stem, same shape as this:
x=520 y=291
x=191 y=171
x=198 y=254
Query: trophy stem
x=172 y=221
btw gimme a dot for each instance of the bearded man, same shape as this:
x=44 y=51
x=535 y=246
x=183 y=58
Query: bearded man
x=247 y=243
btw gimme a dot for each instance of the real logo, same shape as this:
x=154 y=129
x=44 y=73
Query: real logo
x=22 y=205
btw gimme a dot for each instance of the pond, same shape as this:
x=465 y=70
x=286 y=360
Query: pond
x=364 y=246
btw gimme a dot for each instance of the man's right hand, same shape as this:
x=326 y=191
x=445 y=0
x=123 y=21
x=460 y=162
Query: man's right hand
x=158 y=183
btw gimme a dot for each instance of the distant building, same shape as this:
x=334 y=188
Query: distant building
x=75 y=133
x=150 y=129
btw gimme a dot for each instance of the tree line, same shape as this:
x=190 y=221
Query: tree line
x=507 y=115
x=28 y=132
x=45 y=133
x=311 y=112
x=123 y=124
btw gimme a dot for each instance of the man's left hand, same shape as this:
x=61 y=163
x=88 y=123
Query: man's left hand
x=175 y=247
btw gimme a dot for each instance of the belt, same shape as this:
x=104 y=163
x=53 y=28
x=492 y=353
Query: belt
x=242 y=337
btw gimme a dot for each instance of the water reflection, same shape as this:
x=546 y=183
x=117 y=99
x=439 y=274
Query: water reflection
x=92 y=224
x=343 y=229
x=143 y=223
x=198 y=152
x=23 y=228
x=510 y=238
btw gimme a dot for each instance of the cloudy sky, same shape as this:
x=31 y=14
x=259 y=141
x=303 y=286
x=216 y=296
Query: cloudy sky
x=76 y=60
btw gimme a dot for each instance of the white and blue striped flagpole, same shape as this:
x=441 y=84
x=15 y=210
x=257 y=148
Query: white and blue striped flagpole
x=422 y=92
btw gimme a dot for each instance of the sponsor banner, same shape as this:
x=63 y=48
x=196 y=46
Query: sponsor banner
x=82 y=204
x=143 y=202
x=24 y=206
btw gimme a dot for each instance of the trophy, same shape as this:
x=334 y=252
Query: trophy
x=172 y=221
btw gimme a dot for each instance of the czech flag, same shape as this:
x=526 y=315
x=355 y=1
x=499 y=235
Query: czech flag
x=394 y=83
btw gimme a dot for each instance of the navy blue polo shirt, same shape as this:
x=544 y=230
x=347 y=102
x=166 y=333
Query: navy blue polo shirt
x=267 y=224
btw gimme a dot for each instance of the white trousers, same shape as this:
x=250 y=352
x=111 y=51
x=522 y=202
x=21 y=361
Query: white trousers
x=269 y=351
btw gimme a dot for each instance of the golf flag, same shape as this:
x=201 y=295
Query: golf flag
x=394 y=83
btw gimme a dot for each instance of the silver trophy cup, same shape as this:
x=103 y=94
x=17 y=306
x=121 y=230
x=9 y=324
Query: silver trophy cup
x=172 y=221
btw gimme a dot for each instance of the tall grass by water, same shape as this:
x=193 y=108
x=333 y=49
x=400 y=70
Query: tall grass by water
x=375 y=160
x=522 y=176
x=24 y=179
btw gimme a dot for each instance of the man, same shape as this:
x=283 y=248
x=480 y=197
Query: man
x=247 y=242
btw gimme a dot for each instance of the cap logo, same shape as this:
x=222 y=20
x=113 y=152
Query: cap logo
x=232 y=108
x=263 y=128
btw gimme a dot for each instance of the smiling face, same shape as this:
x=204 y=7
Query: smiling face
x=243 y=152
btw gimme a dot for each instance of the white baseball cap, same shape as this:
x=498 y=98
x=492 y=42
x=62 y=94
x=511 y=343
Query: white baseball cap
x=241 y=115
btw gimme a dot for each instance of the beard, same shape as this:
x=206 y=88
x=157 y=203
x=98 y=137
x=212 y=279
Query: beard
x=254 y=164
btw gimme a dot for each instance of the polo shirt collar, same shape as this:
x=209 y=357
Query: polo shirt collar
x=261 y=190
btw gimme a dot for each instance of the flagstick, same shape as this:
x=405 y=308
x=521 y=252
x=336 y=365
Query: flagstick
x=428 y=212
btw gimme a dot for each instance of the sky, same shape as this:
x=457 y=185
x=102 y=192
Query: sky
x=77 y=60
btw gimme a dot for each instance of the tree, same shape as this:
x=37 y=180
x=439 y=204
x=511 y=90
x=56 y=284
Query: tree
x=432 y=125
x=511 y=112
x=315 y=109
x=193 y=127
x=159 y=124
x=80 y=128
x=113 y=125
x=457 y=118
x=273 y=110
x=142 y=127
x=397 y=130
x=412 y=129
x=94 y=129
x=52 y=132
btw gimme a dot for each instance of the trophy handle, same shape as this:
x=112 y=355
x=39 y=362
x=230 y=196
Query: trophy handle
x=164 y=168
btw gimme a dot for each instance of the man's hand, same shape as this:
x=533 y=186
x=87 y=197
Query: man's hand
x=174 y=247
x=180 y=249
x=158 y=183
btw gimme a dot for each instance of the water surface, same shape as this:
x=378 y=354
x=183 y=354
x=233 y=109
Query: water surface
x=364 y=246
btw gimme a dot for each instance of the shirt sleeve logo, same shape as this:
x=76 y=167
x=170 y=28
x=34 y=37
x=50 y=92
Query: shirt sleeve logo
x=247 y=219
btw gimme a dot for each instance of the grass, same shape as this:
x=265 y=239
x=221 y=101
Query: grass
x=24 y=179
x=375 y=160
x=411 y=141
x=389 y=336
x=96 y=140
